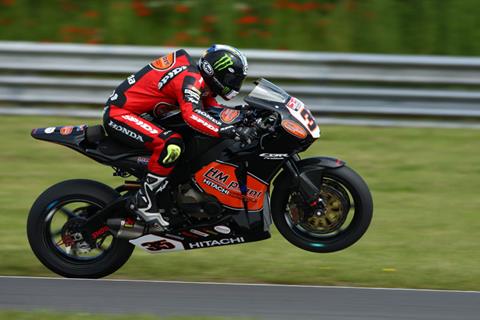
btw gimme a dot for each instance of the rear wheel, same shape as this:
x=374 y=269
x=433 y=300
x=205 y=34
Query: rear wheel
x=339 y=218
x=54 y=231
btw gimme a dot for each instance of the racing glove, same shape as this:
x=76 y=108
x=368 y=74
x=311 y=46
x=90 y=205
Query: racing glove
x=243 y=134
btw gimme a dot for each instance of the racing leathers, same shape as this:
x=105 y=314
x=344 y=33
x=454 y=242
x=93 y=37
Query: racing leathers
x=168 y=83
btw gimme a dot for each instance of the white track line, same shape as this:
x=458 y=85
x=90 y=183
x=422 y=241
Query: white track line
x=239 y=284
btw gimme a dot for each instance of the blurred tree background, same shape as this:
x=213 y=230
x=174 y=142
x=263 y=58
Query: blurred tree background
x=446 y=27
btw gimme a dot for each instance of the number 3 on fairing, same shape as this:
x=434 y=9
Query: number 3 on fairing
x=312 y=125
x=303 y=115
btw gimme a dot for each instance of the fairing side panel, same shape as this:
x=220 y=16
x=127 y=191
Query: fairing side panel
x=219 y=179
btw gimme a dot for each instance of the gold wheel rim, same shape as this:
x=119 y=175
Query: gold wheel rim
x=333 y=216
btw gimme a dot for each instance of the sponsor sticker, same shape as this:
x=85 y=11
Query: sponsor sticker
x=215 y=243
x=191 y=96
x=222 y=229
x=125 y=131
x=203 y=122
x=169 y=76
x=143 y=160
x=207 y=68
x=208 y=116
x=294 y=129
x=49 y=130
x=65 y=131
x=219 y=179
x=225 y=183
x=229 y=115
x=165 y=62
x=273 y=156
x=100 y=232
x=295 y=104
x=140 y=123
x=224 y=62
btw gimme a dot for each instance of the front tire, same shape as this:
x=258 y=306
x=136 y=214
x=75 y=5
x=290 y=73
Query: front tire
x=62 y=201
x=348 y=213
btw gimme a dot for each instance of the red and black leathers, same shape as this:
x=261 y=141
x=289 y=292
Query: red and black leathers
x=170 y=82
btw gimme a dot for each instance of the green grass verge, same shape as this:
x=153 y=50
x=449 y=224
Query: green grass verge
x=424 y=234
x=46 y=315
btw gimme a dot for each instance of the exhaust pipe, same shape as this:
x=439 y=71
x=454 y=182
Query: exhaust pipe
x=126 y=228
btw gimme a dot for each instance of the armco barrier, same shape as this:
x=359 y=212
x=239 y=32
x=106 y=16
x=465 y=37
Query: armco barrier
x=382 y=88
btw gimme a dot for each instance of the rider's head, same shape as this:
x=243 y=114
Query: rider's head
x=223 y=68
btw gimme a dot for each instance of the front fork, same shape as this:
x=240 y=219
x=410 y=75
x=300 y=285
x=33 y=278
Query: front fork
x=308 y=190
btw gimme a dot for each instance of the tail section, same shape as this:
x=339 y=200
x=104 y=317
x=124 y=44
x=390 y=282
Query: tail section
x=93 y=143
x=70 y=136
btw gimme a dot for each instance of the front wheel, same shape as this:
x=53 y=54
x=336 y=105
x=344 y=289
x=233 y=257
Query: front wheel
x=54 y=231
x=338 y=219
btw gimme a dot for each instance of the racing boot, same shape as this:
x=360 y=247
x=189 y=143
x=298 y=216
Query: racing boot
x=155 y=189
x=144 y=203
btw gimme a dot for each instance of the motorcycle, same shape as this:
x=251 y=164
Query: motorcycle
x=220 y=192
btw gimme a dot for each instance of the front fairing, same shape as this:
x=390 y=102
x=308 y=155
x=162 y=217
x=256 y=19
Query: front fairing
x=268 y=96
x=298 y=124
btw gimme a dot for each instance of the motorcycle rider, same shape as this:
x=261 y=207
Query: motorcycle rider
x=173 y=82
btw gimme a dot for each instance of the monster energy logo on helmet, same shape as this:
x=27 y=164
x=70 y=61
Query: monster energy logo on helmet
x=226 y=90
x=223 y=63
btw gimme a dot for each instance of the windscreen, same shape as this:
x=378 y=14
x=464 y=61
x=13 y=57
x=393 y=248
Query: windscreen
x=265 y=90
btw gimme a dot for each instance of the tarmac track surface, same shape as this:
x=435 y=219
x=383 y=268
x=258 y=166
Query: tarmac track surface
x=237 y=300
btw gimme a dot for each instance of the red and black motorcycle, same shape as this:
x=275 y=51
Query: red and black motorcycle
x=220 y=192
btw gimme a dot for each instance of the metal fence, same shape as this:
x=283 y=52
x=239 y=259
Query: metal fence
x=338 y=87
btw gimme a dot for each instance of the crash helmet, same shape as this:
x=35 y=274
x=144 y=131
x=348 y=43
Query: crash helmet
x=223 y=69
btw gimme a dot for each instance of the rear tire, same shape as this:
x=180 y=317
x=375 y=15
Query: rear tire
x=359 y=199
x=47 y=251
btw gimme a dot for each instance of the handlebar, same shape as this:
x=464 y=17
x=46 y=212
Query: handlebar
x=262 y=122
x=262 y=127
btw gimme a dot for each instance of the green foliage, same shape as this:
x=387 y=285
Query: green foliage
x=424 y=232
x=448 y=27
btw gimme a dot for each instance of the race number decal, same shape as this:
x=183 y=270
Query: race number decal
x=304 y=116
x=155 y=244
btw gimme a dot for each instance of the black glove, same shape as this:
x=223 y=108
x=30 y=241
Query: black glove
x=243 y=134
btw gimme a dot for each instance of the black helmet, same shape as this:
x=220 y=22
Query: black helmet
x=223 y=68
